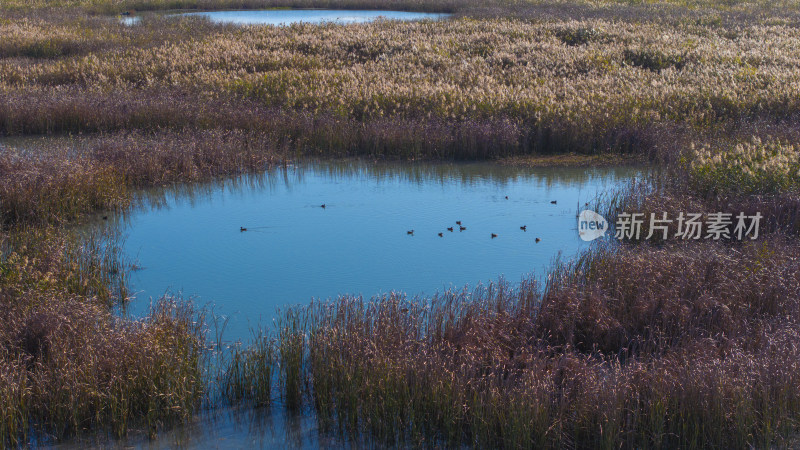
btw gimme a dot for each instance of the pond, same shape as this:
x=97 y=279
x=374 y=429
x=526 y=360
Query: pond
x=295 y=250
x=289 y=16
x=189 y=238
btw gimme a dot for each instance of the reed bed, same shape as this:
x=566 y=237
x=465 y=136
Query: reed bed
x=688 y=346
x=660 y=344
x=125 y=6
x=753 y=167
x=731 y=174
x=248 y=373
x=70 y=366
x=541 y=84
x=120 y=6
x=61 y=180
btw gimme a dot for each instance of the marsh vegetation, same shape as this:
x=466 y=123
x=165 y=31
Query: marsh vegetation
x=657 y=344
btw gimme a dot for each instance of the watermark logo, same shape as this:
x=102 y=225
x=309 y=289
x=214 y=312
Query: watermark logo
x=591 y=225
x=714 y=226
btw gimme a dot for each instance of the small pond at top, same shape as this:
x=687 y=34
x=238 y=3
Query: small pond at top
x=290 y=16
x=359 y=243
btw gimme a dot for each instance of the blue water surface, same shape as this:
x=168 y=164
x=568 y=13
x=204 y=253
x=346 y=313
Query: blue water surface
x=294 y=250
x=281 y=17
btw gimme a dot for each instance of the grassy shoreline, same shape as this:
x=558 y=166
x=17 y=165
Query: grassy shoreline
x=658 y=345
x=573 y=160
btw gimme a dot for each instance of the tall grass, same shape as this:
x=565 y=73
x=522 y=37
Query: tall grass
x=117 y=6
x=733 y=174
x=59 y=181
x=291 y=341
x=248 y=375
x=639 y=347
x=753 y=167
x=68 y=365
x=470 y=87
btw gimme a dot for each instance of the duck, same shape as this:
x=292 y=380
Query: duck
x=553 y=202
x=524 y=228
x=458 y=222
x=322 y=206
x=494 y=235
x=449 y=228
x=411 y=232
x=441 y=234
x=242 y=229
x=462 y=228
x=538 y=240
x=506 y=197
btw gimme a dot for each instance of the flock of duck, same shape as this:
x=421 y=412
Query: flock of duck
x=450 y=229
x=462 y=227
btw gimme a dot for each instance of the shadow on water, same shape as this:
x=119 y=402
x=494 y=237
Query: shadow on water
x=295 y=175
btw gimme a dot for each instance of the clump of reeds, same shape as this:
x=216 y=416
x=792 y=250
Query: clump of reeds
x=68 y=365
x=746 y=168
x=58 y=181
x=746 y=173
x=291 y=343
x=249 y=371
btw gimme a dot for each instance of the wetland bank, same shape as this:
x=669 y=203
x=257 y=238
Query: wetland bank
x=657 y=344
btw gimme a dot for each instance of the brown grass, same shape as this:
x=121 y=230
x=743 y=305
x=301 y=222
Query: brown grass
x=68 y=365
x=682 y=344
x=58 y=181
x=634 y=347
